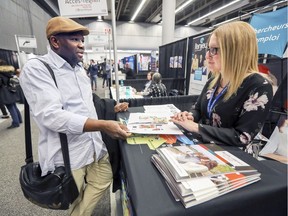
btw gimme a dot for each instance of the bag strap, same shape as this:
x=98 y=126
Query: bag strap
x=63 y=137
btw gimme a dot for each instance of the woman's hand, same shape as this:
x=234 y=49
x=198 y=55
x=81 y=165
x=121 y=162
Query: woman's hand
x=187 y=124
x=182 y=116
x=186 y=120
x=121 y=107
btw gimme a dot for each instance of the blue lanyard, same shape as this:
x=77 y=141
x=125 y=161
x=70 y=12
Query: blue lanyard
x=211 y=102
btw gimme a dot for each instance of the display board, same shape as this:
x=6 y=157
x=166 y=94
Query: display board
x=198 y=71
x=271 y=30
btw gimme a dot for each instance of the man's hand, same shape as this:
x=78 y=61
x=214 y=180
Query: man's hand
x=116 y=130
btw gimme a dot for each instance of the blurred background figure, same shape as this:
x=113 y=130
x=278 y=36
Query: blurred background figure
x=147 y=84
x=265 y=70
x=157 y=88
x=92 y=73
x=4 y=111
x=128 y=71
x=8 y=95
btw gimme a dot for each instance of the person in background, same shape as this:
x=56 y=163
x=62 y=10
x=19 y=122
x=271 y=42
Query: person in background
x=147 y=84
x=4 y=112
x=235 y=101
x=105 y=74
x=69 y=109
x=20 y=94
x=92 y=73
x=8 y=95
x=265 y=70
x=128 y=71
x=108 y=74
x=157 y=88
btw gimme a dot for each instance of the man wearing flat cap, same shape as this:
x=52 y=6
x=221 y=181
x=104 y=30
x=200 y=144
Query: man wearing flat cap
x=69 y=109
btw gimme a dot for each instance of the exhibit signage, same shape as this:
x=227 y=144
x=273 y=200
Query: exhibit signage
x=271 y=29
x=82 y=8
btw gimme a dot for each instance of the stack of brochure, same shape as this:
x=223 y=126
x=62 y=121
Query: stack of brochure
x=198 y=173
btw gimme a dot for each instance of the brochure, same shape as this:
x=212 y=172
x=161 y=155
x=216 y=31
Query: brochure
x=146 y=123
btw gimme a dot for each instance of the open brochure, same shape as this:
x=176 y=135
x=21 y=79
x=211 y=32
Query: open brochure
x=195 y=161
x=147 y=123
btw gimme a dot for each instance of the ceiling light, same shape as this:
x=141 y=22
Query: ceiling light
x=183 y=6
x=212 y=12
x=138 y=10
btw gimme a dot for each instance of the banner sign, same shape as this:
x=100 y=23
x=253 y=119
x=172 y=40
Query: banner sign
x=98 y=49
x=271 y=29
x=27 y=42
x=82 y=8
x=97 y=39
x=198 y=71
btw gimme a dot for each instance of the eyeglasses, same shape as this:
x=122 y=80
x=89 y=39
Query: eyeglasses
x=212 y=50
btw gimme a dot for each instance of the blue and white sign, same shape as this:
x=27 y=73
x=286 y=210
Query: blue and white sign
x=271 y=29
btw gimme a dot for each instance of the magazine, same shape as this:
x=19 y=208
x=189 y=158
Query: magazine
x=198 y=190
x=186 y=162
x=201 y=186
x=147 y=123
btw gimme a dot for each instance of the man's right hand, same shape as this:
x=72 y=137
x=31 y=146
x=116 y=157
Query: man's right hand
x=114 y=129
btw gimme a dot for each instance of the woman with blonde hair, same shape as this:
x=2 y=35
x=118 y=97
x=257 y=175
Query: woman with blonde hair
x=235 y=101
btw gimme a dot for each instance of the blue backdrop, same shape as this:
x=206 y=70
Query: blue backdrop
x=271 y=29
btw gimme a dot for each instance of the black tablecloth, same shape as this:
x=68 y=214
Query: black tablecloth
x=150 y=195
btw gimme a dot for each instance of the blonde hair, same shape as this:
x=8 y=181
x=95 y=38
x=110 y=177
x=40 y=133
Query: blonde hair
x=239 y=54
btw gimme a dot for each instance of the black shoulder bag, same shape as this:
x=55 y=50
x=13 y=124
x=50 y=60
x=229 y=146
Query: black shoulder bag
x=57 y=190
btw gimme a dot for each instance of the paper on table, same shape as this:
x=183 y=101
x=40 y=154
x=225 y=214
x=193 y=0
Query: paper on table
x=169 y=109
x=153 y=141
x=143 y=123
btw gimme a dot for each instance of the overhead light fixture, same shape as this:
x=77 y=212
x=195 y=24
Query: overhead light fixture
x=138 y=10
x=212 y=12
x=99 y=18
x=183 y=6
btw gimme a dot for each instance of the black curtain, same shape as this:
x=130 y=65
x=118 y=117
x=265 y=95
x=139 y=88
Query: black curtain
x=168 y=52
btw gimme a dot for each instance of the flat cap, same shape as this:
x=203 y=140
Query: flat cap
x=60 y=24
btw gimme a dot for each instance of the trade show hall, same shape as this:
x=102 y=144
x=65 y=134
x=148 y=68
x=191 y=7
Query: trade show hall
x=143 y=108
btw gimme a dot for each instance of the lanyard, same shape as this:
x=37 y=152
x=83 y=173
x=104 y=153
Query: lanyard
x=211 y=102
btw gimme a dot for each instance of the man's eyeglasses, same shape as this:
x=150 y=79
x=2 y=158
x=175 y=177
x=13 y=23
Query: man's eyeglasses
x=212 y=51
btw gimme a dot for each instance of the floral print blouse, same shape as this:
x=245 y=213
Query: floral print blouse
x=238 y=120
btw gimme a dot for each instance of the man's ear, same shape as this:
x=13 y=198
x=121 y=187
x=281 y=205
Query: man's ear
x=54 y=42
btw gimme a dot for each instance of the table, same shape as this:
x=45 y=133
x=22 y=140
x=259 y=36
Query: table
x=149 y=195
x=125 y=92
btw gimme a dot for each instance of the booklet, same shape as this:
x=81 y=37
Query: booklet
x=198 y=190
x=186 y=162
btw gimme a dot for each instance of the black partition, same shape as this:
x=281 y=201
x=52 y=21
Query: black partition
x=182 y=102
x=170 y=83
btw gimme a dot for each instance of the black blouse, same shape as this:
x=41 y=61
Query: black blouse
x=235 y=121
